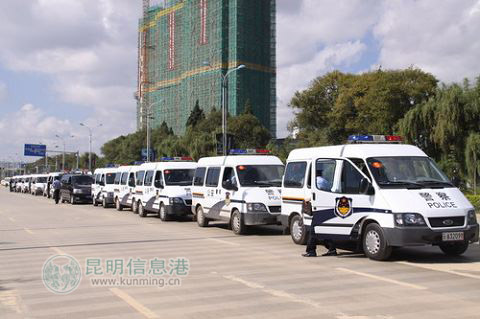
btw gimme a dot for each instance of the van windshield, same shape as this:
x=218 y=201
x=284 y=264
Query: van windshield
x=407 y=172
x=82 y=180
x=41 y=179
x=260 y=175
x=110 y=177
x=182 y=177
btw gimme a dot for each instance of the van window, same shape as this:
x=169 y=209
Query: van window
x=350 y=181
x=98 y=178
x=139 y=181
x=110 y=178
x=123 y=181
x=131 y=180
x=148 y=178
x=212 y=177
x=295 y=175
x=361 y=165
x=103 y=179
x=118 y=177
x=229 y=176
x=199 y=176
x=158 y=179
x=325 y=174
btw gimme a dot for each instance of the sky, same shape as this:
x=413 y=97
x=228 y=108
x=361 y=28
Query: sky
x=66 y=62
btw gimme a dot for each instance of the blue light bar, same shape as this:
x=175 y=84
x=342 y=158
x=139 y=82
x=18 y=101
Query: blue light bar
x=238 y=151
x=360 y=138
x=166 y=159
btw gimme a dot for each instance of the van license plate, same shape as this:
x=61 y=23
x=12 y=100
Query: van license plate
x=456 y=236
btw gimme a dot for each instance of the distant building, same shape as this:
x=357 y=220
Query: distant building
x=186 y=46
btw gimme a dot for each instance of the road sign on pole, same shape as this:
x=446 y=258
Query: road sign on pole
x=35 y=150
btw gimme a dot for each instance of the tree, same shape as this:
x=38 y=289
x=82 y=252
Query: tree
x=472 y=157
x=195 y=116
x=248 y=132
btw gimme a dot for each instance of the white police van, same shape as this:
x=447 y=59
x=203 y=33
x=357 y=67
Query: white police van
x=241 y=189
x=376 y=195
x=48 y=191
x=166 y=189
x=102 y=188
x=124 y=186
x=39 y=184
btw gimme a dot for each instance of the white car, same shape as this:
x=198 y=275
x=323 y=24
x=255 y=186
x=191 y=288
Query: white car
x=241 y=189
x=166 y=188
x=374 y=195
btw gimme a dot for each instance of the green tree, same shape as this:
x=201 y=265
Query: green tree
x=196 y=115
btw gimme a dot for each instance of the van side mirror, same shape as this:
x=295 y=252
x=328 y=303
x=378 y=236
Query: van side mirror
x=228 y=185
x=366 y=187
x=158 y=184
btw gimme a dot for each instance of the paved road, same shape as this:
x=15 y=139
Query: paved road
x=260 y=275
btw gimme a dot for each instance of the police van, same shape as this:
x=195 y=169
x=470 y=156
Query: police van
x=39 y=184
x=102 y=188
x=376 y=194
x=124 y=186
x=166 y=189
x=242 y=189
x=48 y=191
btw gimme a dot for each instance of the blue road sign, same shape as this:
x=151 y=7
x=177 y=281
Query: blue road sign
x=144 y=154
x=35 y=150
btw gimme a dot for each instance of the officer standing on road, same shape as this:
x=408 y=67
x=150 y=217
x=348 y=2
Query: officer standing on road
x=56 y=190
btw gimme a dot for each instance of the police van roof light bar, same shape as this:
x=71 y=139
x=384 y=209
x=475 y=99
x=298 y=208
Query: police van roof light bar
x=176 y=159
x=248 y=152
x=357 y=139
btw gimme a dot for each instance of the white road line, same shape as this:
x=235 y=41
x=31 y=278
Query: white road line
x=393 y=281
x=11 y=219
x=224 y=241
x=147 y=313
x=28 y=231
x=438 y=268
x=274 y=292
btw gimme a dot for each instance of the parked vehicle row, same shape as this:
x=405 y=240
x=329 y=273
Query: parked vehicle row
x=371 y=195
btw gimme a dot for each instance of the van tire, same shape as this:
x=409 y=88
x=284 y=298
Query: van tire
x=72 y=200
x=134 y=206
x=298 y=231
x=454 y=248
x=202 y=221
x=118 y=205
x=94 y=201
x=104 y=203
x=141 y=210
x=162 y=213
x=237 y=224
x=375 y=245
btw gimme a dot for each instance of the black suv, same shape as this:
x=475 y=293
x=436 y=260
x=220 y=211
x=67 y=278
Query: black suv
x=76 y=188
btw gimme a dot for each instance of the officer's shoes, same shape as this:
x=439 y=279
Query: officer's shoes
x=309 y=255
x=330 y=253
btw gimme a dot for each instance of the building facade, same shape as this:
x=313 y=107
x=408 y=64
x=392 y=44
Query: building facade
x=186 y=46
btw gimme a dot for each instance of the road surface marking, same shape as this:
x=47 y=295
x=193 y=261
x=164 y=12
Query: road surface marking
x=274 y=292
x=224 y=241
x=11 y=219
x=28 y=231
x=393 y=281
x=10 y=299
x=147 y=313
x=58 y=250
x=473 y=266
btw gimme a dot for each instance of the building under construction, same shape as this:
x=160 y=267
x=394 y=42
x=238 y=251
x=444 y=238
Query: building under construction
x=187 y=46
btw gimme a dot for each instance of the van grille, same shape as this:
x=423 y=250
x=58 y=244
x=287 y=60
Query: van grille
x=438 y=222
x=274 y=209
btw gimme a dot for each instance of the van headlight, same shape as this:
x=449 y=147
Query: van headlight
x=256 y=207
x=409 y=219
x=77 y=191
x=175 y=200
x=472 y=217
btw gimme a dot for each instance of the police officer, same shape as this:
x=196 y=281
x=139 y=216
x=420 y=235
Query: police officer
x=56 y=189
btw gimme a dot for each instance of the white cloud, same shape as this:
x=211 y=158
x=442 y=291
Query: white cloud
x=440 y=37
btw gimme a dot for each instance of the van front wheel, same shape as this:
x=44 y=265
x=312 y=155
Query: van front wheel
x=298 y=231
x=374 y=243
x=202 y=221
x=454 y=249
x=237 y=224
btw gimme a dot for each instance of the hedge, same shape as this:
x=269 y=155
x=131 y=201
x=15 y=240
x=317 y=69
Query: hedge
x=475 y=200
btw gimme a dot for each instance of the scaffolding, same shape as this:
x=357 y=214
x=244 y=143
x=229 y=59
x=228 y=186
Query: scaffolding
x=186 y=45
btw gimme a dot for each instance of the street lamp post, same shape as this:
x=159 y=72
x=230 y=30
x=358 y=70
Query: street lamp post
x=224 y=106
x=63 y=154
x=89 y=145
